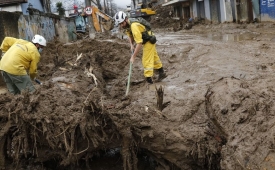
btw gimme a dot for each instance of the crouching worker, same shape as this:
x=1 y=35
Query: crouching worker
x=19 y=63
x=139 y=31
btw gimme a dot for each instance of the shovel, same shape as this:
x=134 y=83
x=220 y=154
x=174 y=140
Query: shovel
x=38 y=81
x=129 y=78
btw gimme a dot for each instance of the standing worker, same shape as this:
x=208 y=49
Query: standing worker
x=138 y=33
x=19 y=63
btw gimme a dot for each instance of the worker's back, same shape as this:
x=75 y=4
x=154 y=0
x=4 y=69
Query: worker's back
x=20 y=57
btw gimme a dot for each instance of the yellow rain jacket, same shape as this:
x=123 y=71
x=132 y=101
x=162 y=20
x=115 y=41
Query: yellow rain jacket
x=150 y=58
x=21 y=57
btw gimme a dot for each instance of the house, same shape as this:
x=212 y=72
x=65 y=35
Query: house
x=181 y=9
x=23 y=5
x=217 y=11
x=207 y=11
x=135 y=4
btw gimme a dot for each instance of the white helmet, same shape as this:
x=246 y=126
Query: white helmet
x=120 y=17
x=39 y=40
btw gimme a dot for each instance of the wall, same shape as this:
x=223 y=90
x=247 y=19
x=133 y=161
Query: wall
x=193 y=9
x=267 y=10
x=215 y=11
x=207 y=11
x=226 y=11
x=64 y=30
x=243 y=13
x=201 y=9
x=26 y=26
x=222 y=11
x=29 y=25
x=234 y=12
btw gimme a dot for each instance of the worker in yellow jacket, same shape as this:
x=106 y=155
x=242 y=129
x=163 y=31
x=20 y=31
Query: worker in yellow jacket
x=150 y=58
x=19 y=61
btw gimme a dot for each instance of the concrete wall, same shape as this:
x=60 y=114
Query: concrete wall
x=194 y=11
x=26 y=26
x=29 y=25
x=201 y=9
x=226 y=11
x=222 y=11
x=64 y=30
x=243 y=15
x=207 y=11
x=215 y=11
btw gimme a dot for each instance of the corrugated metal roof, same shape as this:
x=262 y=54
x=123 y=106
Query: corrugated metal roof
x=7 y=2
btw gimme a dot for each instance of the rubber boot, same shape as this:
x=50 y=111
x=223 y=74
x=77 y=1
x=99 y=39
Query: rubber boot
x=149 y=80
x=162 y=74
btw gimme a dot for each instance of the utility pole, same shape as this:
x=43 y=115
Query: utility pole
x=90 y=22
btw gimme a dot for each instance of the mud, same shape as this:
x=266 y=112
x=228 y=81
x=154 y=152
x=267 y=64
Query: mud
x=218 y=96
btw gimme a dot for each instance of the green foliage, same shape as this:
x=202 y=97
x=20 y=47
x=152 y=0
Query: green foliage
x=60 y=9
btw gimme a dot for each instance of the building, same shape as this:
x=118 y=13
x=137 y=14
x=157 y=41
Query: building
x=23 y=5
x=217 y=11
x=135 y=4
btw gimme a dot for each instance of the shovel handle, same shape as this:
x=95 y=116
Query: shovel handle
x=38 y=81
x=129 y=78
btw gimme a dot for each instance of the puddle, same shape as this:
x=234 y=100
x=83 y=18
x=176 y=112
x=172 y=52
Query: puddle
x=176 y=39
x=230 y=37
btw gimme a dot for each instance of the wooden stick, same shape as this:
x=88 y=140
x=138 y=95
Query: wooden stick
x=159 y=93
x=129 y=78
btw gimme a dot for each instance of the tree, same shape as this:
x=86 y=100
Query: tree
x=111 y=7
x=99 y=4
x=106 y=9
x=60 y=9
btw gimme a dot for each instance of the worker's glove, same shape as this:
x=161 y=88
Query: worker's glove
x=2 y=54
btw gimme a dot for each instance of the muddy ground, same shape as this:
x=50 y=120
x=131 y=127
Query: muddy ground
x=218 y=97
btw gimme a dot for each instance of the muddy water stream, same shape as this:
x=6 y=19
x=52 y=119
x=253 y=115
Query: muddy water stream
x=192 y=62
